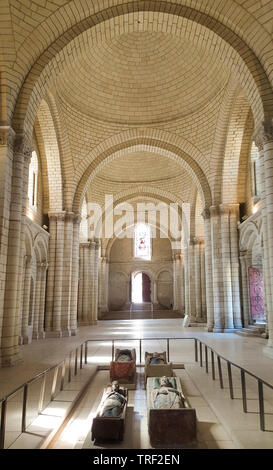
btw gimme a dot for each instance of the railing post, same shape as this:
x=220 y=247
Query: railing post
x=81 y=357
x=140 y=351
x=206 y=358
x=195 y=350
x=168 y=350
x=42 y=392
x=261 y=405
x=220 y=372
x=53 y=390
x=3 y=423
x=63 y=376
x=243 y=383
x=24 y=409
x=85 y=353
x=201 y=358
x=212 y=365
x=76 y=362
x=230 y=380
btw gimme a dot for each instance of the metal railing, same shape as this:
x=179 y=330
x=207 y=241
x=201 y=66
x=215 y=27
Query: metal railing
x=69 y=365
x=81 y=356
x=243 y=373
x=214 y=355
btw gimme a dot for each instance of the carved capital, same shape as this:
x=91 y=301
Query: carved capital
x=23 y=146
x=264 y=133
x=7 y=137
x=77 y=218
x=57 y=215
x=206 y=213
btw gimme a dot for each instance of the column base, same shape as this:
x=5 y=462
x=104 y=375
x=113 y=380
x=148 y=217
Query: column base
x=26 y=340
x=53 y=334
x=66 y=332
x=74 y=331
x=218 y=330
x=41 y=335
x=11 y=360
x=209 y=329
x=230 y=330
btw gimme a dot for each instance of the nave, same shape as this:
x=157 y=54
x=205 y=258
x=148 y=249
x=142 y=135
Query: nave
x=221 y=422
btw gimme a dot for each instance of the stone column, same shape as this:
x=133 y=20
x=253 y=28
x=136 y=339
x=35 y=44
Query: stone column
x=66 y=268
x=226 y=268
x=96 y=282
x=266 y=268
x=80 y=299
x=218 y=297
x=176 y=261
x=155 y=300
x=203 y=282
x=186 y=281
x=265 y=138
x=51 y=273
x=14 y=259
x=85 y=284
x=41 y=329
x=7 y=137
x=55 y=275
x=37 y=296
x=182 y=282
x=92 y=287
x=197 y=279
x=103 y=284
x=26 y=300
x=75 y=275
x=245 y=288
x=208 y=271
x=235 y=268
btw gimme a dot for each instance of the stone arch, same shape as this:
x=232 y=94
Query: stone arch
x=181 y=151
x=42 y=245
x=157 y=274
x=112 y=240
x=234 y=164
x=150 y=194
x=28 y=241
x=240 y=58
x=48 y=142
x=249 y=235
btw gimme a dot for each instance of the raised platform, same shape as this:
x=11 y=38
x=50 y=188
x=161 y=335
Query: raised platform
x=140 y=315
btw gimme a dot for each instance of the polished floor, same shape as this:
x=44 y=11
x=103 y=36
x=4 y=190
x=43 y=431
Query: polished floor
x=221 y=421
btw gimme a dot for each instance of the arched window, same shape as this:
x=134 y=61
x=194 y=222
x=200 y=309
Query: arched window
x=142 y=241
x=33 y=181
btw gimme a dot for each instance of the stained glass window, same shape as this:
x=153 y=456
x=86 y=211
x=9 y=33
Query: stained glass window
x=142 y=241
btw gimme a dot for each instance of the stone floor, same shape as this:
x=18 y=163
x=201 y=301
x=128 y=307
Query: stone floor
x=222 y=424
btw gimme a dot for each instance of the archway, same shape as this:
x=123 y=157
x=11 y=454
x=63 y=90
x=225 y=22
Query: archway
x=141 y=288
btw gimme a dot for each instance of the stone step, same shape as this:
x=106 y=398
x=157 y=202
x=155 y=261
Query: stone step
x=249 y=332
x=258 y=327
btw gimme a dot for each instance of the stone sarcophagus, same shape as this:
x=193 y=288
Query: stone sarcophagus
x=123 y=368
x=171 y=422
x=108 y=428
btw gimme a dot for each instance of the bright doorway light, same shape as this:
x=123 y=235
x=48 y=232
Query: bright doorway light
x=137 y=289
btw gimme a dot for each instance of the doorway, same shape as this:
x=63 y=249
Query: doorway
x=141 y=288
